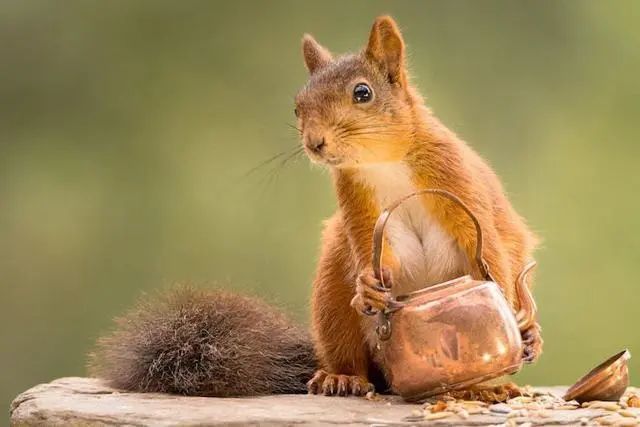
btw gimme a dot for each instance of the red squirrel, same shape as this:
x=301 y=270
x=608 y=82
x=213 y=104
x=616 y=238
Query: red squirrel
x=359 y=116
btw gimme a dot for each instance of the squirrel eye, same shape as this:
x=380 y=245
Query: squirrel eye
x=295 y=111
x=362 y=93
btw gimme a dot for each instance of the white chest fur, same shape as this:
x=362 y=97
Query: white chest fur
x=426 y=253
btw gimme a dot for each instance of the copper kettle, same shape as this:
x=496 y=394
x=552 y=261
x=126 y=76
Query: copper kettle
x=451 y=335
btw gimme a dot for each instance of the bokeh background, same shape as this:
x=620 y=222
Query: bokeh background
x=127 y=130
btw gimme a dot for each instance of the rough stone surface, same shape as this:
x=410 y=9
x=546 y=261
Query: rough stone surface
x=86 y=401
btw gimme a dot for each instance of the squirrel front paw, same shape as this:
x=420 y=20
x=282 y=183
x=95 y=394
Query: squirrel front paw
x=371 y=296
x=532 y=342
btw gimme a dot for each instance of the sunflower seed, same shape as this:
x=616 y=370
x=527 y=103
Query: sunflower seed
x=628 y=413
x=566 y=407
x=627 y=422
x=609 y=406
x=463 y=413
x=437 y=415
x=609 y=420
x=500 y=408
x=518 y=413
x=417 y=413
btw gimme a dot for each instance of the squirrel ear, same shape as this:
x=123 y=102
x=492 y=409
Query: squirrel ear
x=386 y=49
x=315 y=56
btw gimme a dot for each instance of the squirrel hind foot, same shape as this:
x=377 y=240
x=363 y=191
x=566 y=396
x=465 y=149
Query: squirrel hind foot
x=338 y=385
x=204 y=343
x=488 y=393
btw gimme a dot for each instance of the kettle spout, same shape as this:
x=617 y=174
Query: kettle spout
x=526 y=316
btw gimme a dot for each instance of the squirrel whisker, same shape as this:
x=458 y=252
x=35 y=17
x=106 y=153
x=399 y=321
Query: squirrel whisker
x=267 y=162
x=295 y=128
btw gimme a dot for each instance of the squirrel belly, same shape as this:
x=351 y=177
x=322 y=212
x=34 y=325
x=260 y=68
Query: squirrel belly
x=425 y=252
x=204 y=343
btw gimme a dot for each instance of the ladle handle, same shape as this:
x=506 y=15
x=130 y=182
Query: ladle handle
x=378 y=231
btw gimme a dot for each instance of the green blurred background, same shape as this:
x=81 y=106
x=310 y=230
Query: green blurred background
x=127 y=129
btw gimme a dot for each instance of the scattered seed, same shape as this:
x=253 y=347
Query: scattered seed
x=474 y=402
x=474 y=411
x=543 y=414
x=463 y=413
x=566 y=407
x=627 y=422
x=534 y=406
x=520 y=399
x=633 y=401
x=518 y=413
x=627 y=413
x=609 y=406
x=417 y=413
x=440 y=406
x=500 y=408
x=609 y=420
x=437 y=415
x=530 y=409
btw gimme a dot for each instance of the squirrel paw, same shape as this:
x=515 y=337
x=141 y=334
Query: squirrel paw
x=532 y=341
x=338 y=385
x=371 y=296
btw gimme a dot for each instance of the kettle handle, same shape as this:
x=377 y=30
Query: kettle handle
x=378 y=231
x=525 y=317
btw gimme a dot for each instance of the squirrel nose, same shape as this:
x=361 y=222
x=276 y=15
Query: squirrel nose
x=316 y=144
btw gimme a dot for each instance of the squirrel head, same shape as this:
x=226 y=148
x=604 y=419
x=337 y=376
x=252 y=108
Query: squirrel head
x=357 y=109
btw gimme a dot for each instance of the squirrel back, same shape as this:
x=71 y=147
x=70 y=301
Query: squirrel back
x=204 y=343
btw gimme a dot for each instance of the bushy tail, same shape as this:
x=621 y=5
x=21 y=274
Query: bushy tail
x=204 y=343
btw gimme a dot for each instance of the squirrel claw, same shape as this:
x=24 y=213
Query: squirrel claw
x=338 y=385
x=329 y=386
x=532 y=342
x=313 y=385
x=371 y=296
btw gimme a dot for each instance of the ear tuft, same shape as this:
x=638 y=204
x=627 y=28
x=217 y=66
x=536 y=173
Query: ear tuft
x=386 y=49
x=315 y=56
